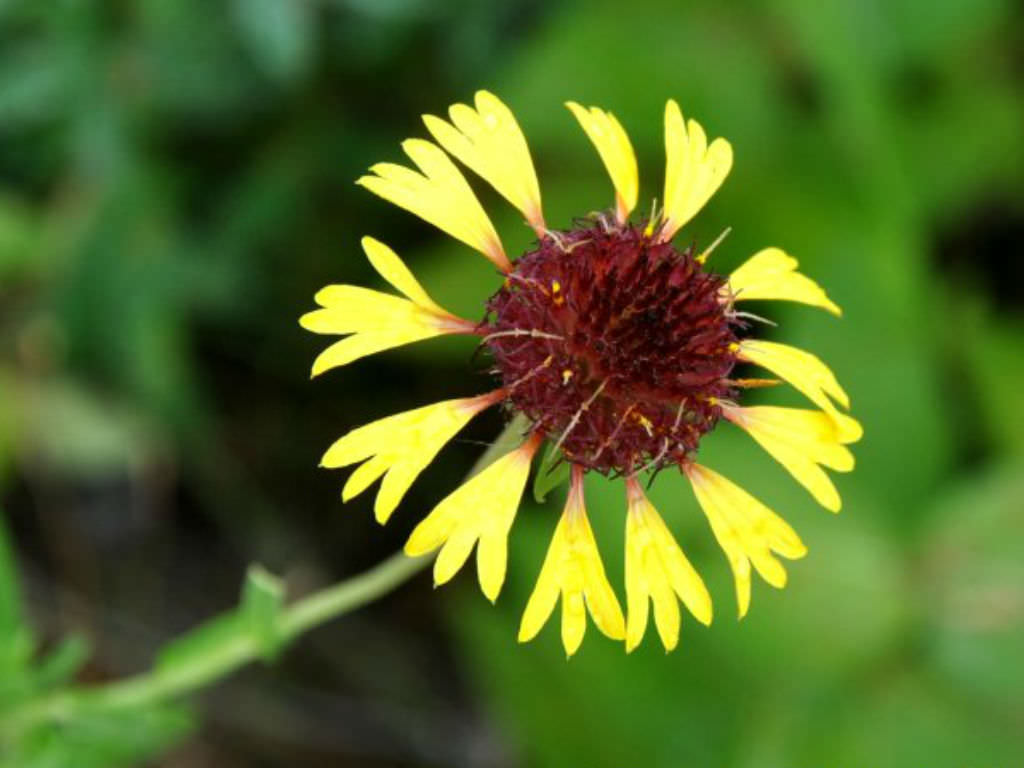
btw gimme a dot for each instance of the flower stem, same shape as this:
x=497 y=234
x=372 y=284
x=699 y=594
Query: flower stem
x=231 y=650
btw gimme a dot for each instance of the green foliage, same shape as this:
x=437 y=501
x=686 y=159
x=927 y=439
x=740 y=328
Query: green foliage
x=550 y=473
x=26 y=677
x=100 y=741
x=262 y=599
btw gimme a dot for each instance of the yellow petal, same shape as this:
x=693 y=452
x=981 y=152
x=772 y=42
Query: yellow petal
x=488 y=141
x=808 y=375
x=657 y=569
x=438 y=194
x=400 y=447
x=365 y=475
x=771 y=274
x=352 y=308
x=393 y=269
x=574 y=621
x=545 y=593
x=682 y=577
x=454 y=553
x=800 y=440
x=666 y=613
x=637 y=589
x=481 y=510
x=746 y=529
x=573 y=568
x=601 y=600
x=363 y=344
x=375 y=320
x=693 y=171
x=612 y=144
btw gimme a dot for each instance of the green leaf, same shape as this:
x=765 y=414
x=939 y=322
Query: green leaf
x=552 y=473
x=255 y=621
x=63 y=662
x=262 y=599
x=129 y=737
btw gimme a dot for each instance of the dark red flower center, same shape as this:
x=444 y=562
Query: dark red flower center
x=614 y=345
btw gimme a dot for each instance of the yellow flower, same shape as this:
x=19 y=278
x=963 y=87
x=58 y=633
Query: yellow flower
x=617 y=346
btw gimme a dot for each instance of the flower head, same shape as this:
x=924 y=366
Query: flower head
x=619 y=349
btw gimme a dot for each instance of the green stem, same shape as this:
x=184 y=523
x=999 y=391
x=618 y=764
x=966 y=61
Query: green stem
x=350 y=594
x=237 y=648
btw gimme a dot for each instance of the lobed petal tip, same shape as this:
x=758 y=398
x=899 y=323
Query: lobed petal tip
x=411 y=550
x=410 y=145
x=306 y=321
x=850 y=430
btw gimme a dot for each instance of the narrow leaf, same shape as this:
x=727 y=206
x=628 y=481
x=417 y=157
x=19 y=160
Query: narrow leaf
x=262 y=598
x=552 y=473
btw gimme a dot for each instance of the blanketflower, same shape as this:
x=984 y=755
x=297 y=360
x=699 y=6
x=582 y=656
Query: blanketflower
x=617 y=346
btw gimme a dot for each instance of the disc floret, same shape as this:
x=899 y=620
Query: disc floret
x=618 y=347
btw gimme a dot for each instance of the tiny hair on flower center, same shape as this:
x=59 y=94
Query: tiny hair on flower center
x=618 y=347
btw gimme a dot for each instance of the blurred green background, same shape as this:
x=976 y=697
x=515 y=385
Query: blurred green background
x=176 y=181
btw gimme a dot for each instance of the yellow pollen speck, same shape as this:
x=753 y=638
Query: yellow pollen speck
x=644 y=422
x=734 y=347
x=556 y=293
x=566 y=375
